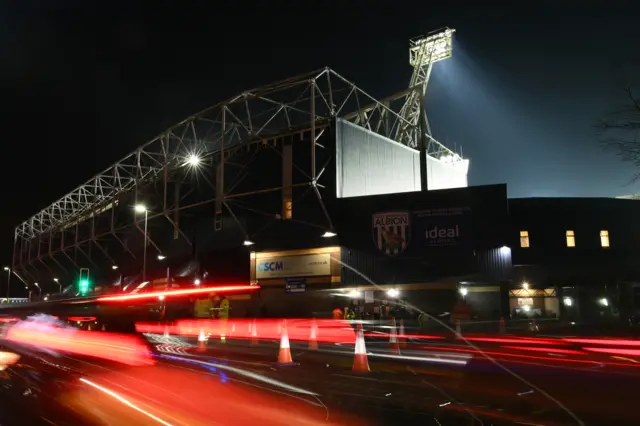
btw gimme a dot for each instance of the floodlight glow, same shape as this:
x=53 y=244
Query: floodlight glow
x=196 y=281
x=329 y=234
x=463 y=291
x=140 y=208
x=114 y=267
x=161 y=257
x=6 y=268
x=248 y=243
x=393 y=292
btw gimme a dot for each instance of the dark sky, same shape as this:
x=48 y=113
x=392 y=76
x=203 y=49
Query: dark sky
x=82 y=85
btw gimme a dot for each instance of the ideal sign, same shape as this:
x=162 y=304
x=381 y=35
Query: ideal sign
x=436 y=233
x=444 y=226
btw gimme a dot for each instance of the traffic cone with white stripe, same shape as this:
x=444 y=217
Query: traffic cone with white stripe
x=313 y=336
x=284 y=355
x=393 y=338
x=202 y=341
x=360 y=361
x=402 y=338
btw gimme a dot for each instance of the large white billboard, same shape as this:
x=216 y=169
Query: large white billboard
x=311 y=265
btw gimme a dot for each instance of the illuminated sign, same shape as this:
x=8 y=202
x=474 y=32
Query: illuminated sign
x=311 y=265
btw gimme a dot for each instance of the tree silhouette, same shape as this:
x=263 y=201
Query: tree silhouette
x=619 y=131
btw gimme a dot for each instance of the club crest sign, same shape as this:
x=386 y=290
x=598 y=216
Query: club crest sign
x=391 y=232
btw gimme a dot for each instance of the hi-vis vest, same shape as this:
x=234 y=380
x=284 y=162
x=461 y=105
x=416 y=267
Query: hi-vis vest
x=203 y=308
x=224 y=309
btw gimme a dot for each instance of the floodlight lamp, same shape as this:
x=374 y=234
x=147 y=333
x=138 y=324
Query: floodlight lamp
x=463 y=291
x=196 y=281
x=114 y=267
x=248 y=243
x=432 y=48
x=140 y=208
x=329 y=234
x=6 y=268
x=56 y=280
x=161 y=257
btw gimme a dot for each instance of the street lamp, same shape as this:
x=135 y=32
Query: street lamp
x=6 y=268
x=140 y=208
x=329 y=234
x=39 y=289
x=58 y=282
x=161 y=257
x=193 y=160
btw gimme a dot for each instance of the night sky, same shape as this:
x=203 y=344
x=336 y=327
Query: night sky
x=81 y=86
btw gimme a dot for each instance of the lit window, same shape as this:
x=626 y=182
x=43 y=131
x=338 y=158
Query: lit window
x=571 y=239
x=524 y=239
x=604 y=238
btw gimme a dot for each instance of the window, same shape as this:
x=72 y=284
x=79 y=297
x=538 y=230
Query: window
x=571 y=239
x=524 y=239
x=604 y=239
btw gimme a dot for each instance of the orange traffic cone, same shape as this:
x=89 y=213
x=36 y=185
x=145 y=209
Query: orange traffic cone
x=360 y=361
x=254 y=333
x=313 y=336
x=393 y=338
x=202 y=341
x=402 y=338
x=284 y=356
x=501 y=327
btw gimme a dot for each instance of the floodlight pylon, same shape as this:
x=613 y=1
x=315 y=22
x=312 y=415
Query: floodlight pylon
x=423 y=53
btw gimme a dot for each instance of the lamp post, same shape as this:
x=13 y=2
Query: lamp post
x=140 y=208
x=6 y=268
x=39 y=289
x=58 y=282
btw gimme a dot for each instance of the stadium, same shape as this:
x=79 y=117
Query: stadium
x=308 y=184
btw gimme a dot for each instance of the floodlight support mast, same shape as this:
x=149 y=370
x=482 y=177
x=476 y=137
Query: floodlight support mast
x=423 y=53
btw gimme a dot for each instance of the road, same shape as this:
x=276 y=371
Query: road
x=439 y=381
x=448 y=378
